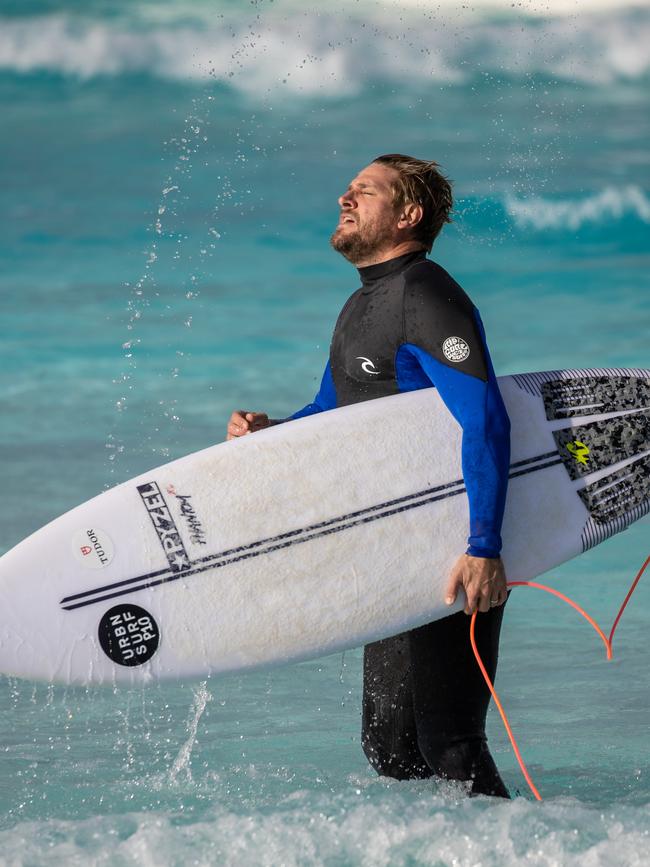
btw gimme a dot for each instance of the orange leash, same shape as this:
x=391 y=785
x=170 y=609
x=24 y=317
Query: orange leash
x=626 y=600
x=606 y=641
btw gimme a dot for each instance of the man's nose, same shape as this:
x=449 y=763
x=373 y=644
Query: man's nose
x=347 y=200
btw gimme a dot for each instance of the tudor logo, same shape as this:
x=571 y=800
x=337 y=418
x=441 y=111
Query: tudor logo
x=455 y=349
x=92 y=547
x=368 y=366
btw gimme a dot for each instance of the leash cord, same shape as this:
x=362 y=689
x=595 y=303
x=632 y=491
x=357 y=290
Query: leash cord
x=606 y=641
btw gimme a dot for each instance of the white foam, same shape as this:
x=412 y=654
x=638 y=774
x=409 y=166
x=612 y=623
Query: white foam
x=536 y=8
x=609 y=204
x=301 y=49
x=389 y=826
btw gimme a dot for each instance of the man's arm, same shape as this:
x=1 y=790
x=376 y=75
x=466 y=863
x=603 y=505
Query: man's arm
x=242 y=421
x=324 y=400
x=445 y=336
x=478 y=408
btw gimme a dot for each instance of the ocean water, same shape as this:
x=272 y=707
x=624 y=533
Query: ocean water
x=169 y=174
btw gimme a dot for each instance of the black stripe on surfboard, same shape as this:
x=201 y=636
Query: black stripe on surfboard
x=300 y=531
x=305 y=534
x=272 y=539
x=285 y=544
x=209 y=558
x=278 y=546
x=534 y=460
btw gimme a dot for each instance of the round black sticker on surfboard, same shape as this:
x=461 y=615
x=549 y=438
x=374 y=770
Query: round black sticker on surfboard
x=128 y=635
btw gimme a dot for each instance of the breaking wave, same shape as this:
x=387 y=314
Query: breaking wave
x=609 y=204
x=330 y=51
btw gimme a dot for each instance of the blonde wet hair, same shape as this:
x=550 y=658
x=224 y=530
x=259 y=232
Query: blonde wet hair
x=421 y=182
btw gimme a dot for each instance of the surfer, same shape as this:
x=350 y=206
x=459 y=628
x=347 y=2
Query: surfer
x=410 y=326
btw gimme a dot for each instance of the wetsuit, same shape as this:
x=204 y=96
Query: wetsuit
x=411 y=326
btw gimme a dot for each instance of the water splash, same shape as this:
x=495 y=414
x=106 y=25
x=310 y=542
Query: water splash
x=182 y=762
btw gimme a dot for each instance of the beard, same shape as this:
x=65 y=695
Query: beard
x=363 y=241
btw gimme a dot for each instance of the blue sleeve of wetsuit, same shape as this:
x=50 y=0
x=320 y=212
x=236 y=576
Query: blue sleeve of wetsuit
x=478 y=407
x=324 y=400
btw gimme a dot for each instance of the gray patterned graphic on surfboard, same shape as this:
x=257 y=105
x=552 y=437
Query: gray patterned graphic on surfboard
x=594 y=395
x=601 y=444
x=623 y=495
x=533 y=383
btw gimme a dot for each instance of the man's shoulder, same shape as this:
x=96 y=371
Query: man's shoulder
x=427 y=282
x=441 y=319
x=350 y=300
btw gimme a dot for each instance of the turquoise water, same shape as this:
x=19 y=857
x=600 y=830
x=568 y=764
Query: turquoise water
x=169 y=175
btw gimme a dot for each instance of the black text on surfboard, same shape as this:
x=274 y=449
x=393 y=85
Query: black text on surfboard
x=164 y=526
x=197 y=533
x=128 y=635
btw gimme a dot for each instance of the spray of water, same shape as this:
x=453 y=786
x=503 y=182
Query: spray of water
x=183 y=761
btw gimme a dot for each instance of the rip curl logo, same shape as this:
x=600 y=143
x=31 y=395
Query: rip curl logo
x=368 y=366
x=455 y=349
x=579 y=451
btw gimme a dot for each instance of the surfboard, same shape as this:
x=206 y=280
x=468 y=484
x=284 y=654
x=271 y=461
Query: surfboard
x=316 y=535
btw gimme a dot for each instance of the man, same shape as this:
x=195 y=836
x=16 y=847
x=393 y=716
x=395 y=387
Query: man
x=409 y=326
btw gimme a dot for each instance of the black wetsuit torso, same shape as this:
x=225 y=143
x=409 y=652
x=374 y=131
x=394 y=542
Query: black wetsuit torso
x=407 y=301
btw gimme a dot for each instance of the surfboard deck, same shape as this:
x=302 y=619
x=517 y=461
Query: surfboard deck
x=315 y=536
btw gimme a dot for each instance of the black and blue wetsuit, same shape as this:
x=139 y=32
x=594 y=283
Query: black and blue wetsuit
x=411 y=326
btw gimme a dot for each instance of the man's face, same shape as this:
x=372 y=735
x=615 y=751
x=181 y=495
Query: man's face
x=367 y=226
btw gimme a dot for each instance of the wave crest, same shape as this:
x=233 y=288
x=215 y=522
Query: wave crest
x=609 y=204
x=332 y=51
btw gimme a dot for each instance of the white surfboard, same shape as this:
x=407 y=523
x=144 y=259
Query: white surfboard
x=316 y=535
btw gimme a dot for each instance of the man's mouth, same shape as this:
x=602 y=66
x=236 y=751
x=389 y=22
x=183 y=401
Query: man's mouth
x=344 y=220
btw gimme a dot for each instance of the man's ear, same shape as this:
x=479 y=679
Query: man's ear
x=411 y=215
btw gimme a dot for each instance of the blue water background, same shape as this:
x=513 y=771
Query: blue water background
x=168 y=177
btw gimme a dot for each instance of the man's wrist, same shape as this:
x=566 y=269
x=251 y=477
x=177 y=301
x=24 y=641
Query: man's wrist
x=484 y=553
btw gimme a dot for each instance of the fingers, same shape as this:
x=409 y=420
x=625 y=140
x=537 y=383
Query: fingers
x=475 y=599
x=483 y=580
x=237 y=425
x=455 y=583
x=257 y=420
x=242 y=422
x=499 y=587
x=484 y=600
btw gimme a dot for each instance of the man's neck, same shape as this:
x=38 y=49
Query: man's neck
x=385 y=255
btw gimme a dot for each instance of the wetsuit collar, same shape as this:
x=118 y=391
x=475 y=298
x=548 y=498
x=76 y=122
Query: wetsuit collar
x=372 y=274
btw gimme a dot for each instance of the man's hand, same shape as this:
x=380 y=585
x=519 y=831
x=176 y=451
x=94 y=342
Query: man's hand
x=484 y=582
x=242 y=422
